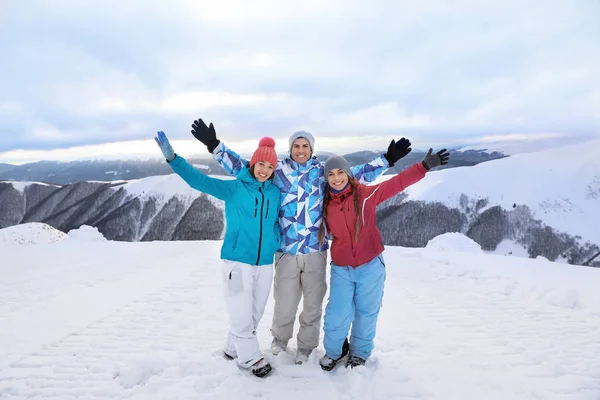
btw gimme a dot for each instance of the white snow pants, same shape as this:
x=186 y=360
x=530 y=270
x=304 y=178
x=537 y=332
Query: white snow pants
x=246 y=289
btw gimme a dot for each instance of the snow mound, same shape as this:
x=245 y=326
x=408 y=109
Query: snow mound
x=86 y=233
x=453 y=242
x=31 y=233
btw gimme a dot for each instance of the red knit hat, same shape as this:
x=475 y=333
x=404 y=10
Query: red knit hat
x=265 y=152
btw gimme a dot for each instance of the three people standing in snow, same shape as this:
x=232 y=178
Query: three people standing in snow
x=251 y=239
x=309 y=192
x=301 y=262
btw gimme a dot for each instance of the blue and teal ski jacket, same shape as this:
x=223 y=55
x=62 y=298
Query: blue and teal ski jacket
x=302 y=192
x=252 y=234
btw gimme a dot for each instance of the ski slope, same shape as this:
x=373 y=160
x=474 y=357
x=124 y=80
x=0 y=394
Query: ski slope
x=95 y=319
x=560 y=186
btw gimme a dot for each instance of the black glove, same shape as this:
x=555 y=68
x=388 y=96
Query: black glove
x=205 y=134
x=435 y=160
x=397 y=150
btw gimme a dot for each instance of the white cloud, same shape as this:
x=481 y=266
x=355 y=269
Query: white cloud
x=46 y=133
x=496 y=109
x=264 y=11
x=206 y=100
x=242 y=61
x=119 y=71
x=378 y=118
x=518 y=137
x=11 y=107
x=133 y=149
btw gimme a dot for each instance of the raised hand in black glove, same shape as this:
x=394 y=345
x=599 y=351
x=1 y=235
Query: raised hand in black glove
x=435 y=160
x=397 y=150
x=205 y=134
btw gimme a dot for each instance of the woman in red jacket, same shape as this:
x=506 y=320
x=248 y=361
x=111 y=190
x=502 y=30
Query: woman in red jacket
x=357 y=268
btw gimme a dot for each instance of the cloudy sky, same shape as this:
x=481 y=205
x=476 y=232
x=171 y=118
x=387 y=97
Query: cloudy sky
x=97 y=79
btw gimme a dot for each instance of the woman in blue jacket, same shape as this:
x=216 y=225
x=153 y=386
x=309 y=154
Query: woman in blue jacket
x=251 y=239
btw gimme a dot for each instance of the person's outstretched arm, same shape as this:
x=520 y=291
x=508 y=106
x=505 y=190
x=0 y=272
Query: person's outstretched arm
x=231 y=162
x=221 y=189
x=408 y=177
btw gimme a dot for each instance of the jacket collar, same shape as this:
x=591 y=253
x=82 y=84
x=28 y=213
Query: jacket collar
x=341 y=195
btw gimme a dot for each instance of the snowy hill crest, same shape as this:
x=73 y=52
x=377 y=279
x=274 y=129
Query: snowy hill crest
x=33 y=233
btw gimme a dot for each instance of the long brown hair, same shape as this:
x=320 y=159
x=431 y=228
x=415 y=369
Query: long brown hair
x=326 y=203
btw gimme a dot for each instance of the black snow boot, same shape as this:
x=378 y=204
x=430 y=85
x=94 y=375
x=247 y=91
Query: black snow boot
x=354 y=361
x=327 y=363
x=261 y=368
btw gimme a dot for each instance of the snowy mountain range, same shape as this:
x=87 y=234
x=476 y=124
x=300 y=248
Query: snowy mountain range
x=536 y=204
x=57 y=172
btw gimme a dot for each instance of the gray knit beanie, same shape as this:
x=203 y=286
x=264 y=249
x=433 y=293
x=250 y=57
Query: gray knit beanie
x=334 y=162
x=305 y=135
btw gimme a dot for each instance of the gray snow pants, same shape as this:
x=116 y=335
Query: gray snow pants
x=296 y=276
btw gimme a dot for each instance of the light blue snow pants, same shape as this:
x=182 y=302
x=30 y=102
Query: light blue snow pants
x=355 y=299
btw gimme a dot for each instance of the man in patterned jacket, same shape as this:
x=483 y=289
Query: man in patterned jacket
x=301 y=263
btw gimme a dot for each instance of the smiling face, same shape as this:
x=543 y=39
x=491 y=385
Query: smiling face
x=263 y=170
x=301 y=151
x=337 y=178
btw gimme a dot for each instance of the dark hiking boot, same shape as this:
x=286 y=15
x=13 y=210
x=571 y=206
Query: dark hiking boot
x=261 y=368
x=354 y=361
x=327 y=363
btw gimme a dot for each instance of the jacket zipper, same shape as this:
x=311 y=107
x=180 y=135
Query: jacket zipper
x=255 y=206
x=262 y=204
x=347 y=227
x=267 y=215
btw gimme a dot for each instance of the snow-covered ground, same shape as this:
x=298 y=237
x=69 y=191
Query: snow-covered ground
x=94 y=319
